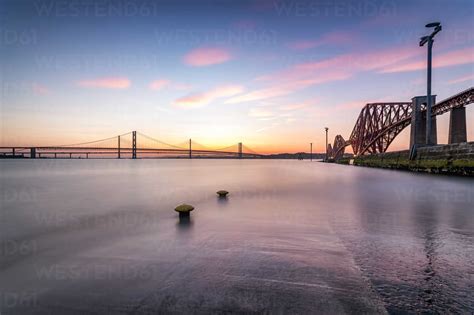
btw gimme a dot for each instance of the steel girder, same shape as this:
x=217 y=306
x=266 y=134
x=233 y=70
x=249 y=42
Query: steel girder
x=379 y=123
x=338 y=149
x=377 y=126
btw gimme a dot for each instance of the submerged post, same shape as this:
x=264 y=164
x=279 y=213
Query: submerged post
x=134 y=144
x=190 y=150
x=118 y=147
x=240 y=150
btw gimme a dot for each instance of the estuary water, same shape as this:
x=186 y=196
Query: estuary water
x=295 y=237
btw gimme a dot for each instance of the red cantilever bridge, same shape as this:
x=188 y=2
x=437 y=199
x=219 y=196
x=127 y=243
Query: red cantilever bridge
x=379 y=123
x=130 y=145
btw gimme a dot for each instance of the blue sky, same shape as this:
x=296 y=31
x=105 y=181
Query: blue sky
x=271 y=74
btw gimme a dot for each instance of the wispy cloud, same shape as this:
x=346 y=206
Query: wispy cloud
x=106 y=83
x=285 y=87
x=204 y=98
x=452 y=58
x=158 y=84
x=469 y=77
x=332 y=38
x=206 y=56
x=297 y=106
x=260 y=113
x=40 y=89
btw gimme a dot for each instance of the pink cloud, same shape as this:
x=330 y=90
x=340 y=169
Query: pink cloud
x=106 y=83
x=336 y=68
x=285 y=87
x=452 y=58
x=40 y=89
x=469 y=77
x=207 y=56
x=158 y=84
x=204 y=98
x=296 y=106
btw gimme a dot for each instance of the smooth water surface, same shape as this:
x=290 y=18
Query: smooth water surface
x=101 y=236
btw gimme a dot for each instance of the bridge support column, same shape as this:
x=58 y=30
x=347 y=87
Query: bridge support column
x=457 y=125
x=33 y=153
x=190 y=150
x=418 y=122
x=134 y=144
x=118 y=147
x=240 y=150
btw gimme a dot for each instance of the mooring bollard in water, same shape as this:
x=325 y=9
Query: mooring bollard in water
x=184 y=210
x=222 y=193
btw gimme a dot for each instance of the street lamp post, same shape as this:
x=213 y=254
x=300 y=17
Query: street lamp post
x=429 y=39
x=326 y=128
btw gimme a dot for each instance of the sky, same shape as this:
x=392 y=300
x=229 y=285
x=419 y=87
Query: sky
x=270 y=74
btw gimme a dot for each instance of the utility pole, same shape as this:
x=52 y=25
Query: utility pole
x=429 y=39
x=311 y=151
x=190 y=150
x=326 y=128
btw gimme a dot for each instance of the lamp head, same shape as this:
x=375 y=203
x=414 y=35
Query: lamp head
x=424 y=40
x=434 y=24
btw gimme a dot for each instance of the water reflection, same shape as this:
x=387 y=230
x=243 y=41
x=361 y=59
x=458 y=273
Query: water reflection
x=291 y=233
x=184 y=224
x=222 y=200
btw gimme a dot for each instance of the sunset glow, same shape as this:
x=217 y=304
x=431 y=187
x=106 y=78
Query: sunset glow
x=258 y=72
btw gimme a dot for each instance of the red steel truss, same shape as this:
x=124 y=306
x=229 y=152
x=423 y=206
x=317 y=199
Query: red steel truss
x=379 y=123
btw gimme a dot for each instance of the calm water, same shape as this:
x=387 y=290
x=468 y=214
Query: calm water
x=101 y=236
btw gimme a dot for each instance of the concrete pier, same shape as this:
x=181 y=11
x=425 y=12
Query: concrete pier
x=418 y=122
x=457 y=125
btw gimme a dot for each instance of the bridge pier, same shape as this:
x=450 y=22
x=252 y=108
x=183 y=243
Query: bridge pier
x=118 y=147
x=134 y=144
x=33 y=153
x=418 y=123
x=457 y=125
x=240 y=150
x=190 y=150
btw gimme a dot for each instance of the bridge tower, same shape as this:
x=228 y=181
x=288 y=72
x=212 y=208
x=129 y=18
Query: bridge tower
x=190 y=150
x=418 y=122
x=118 y=147
x=134 y=144
x=240 y=150
x=457 y=125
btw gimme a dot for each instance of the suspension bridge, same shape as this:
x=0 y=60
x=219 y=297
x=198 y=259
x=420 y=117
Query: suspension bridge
x=132 y=145
x=379 y=123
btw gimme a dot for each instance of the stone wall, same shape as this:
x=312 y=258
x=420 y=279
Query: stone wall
x=457 y=159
